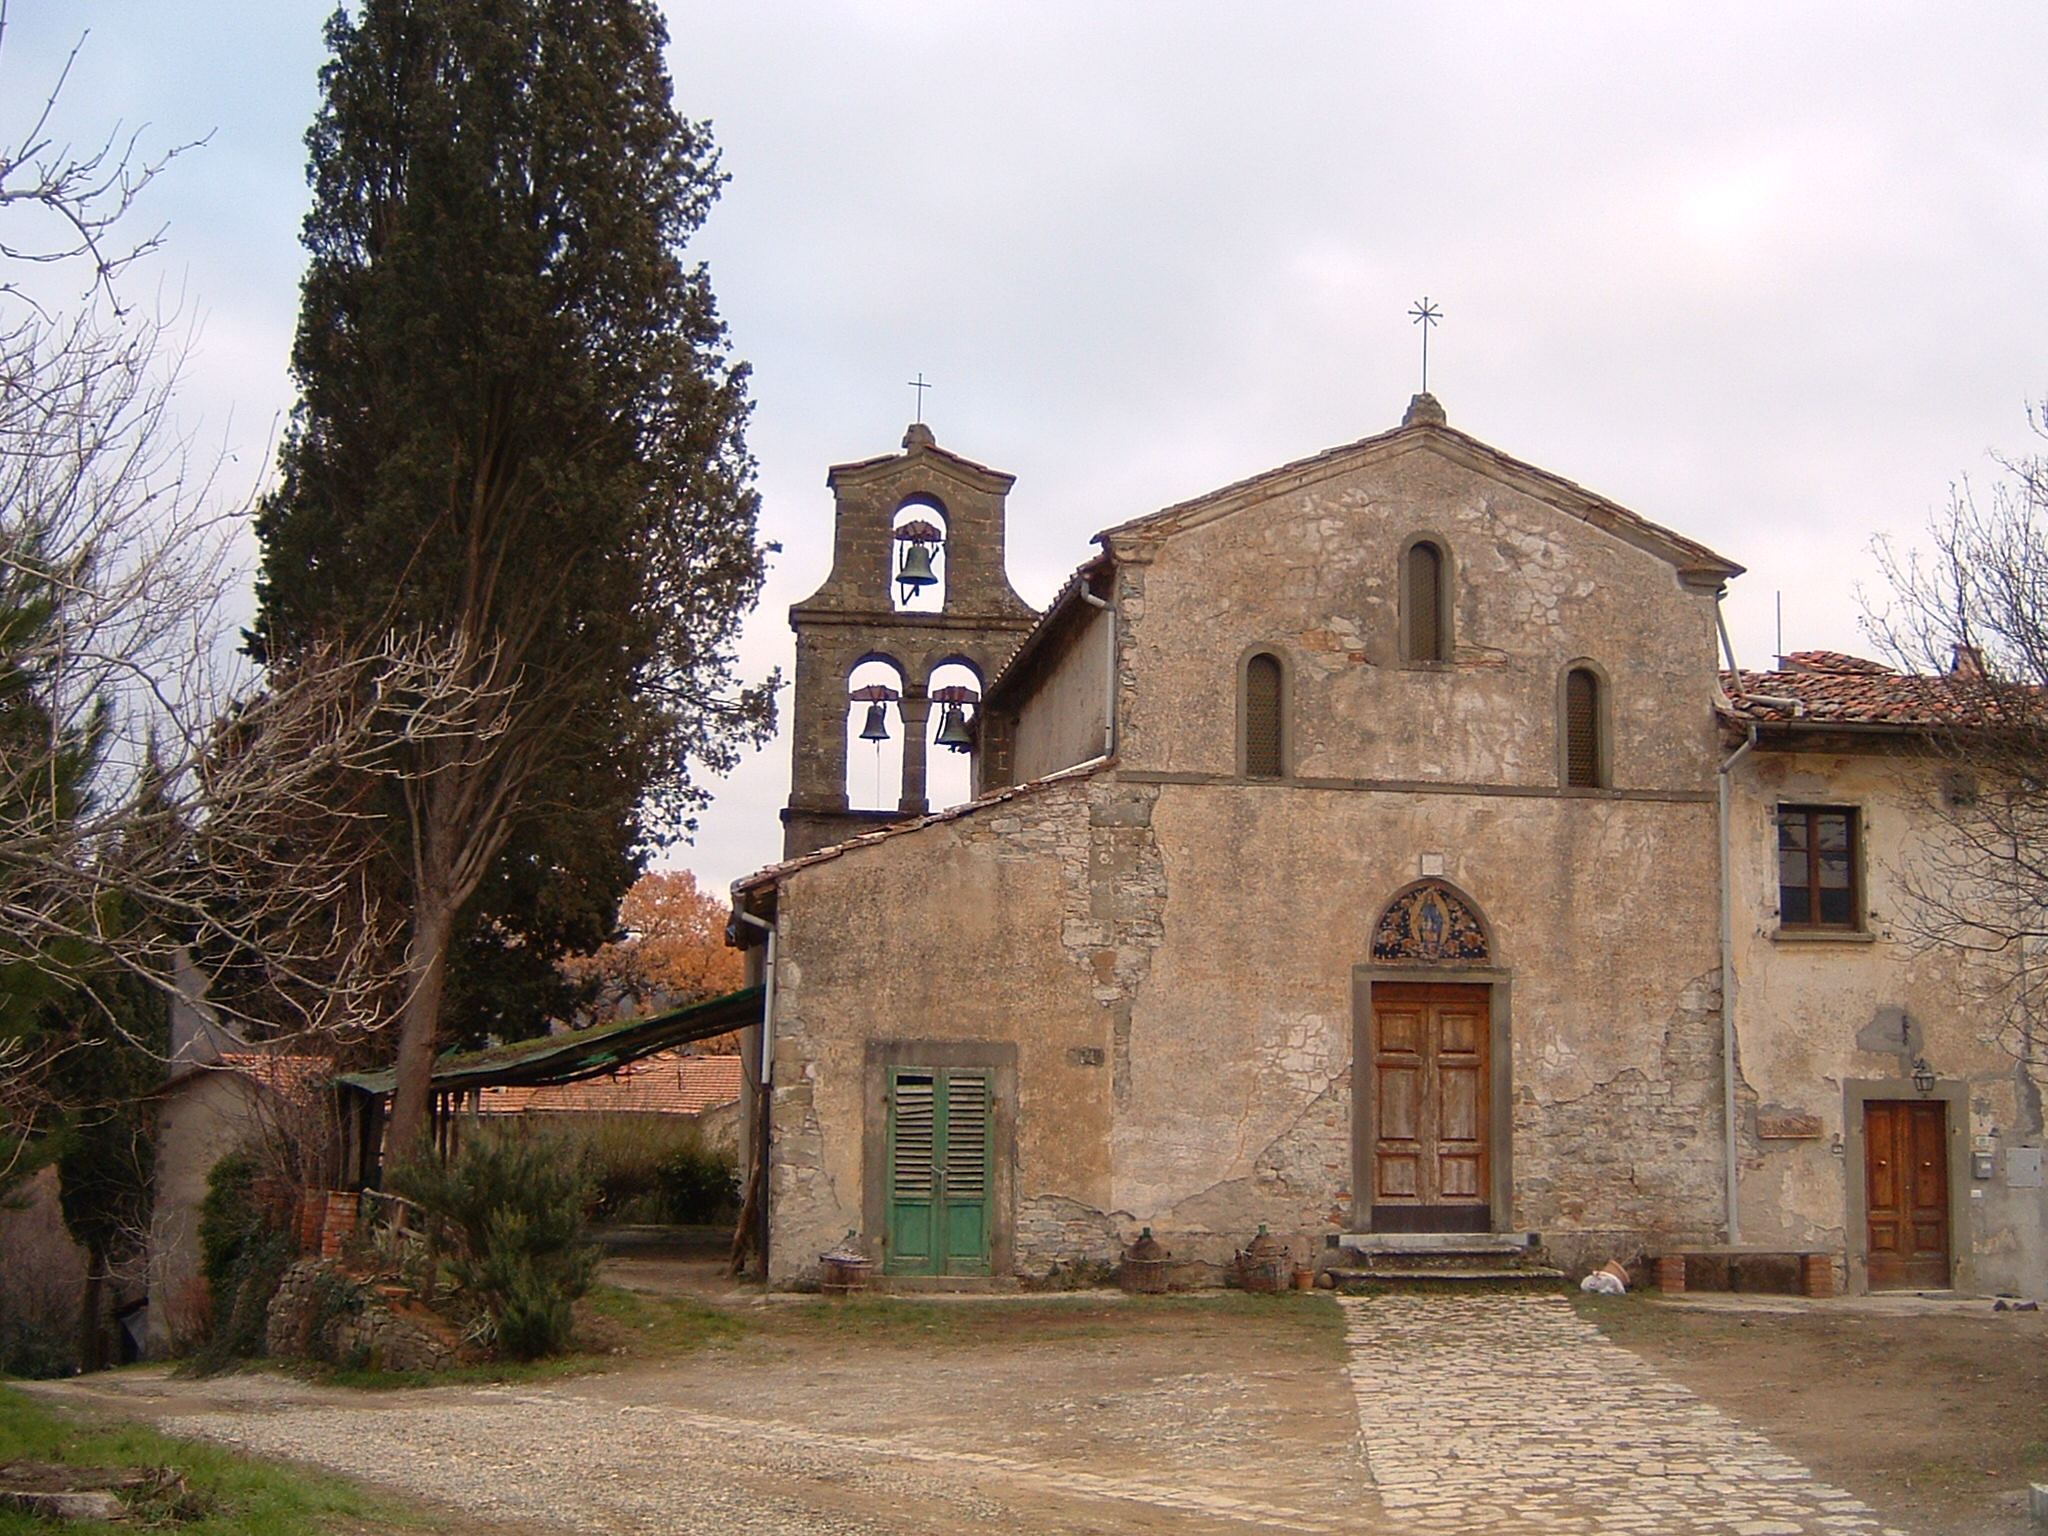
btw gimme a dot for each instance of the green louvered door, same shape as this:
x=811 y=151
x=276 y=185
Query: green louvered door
x=938 y=1172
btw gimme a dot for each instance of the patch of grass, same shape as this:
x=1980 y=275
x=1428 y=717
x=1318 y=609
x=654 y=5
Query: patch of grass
x=1635 y=1316
x=611 y=1325
x=1294 y=1322
x=234 y=1495
x=633 y=1323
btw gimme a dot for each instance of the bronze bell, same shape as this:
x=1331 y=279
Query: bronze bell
x=877 y=728
x=916 y=569
x=954 y=731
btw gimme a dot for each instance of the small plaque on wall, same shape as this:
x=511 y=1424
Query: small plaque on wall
x=1788 y=1127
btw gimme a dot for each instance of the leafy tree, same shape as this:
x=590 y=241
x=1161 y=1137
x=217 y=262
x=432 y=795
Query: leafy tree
x=121 y=1028
x=673 y=952
x=519 y=432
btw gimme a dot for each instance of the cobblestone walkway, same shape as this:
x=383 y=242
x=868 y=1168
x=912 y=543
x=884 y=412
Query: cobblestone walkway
x=1509 y=1414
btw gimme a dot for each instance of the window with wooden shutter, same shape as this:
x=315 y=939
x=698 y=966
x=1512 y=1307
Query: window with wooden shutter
x=1262 y=708
x=966 y=1137
x=938 y=1177
x=1423 y=618
x=1582 y=729
x=911 y=1175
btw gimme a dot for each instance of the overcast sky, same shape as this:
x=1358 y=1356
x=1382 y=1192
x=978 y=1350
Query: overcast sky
x=1769 y=274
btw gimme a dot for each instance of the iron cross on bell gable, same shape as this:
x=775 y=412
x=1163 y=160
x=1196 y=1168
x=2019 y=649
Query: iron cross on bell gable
x=1424 y=314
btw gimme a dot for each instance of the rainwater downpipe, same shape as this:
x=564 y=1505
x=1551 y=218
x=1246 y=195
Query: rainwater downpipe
x=1731 y=1164
x=762 y=1130
x=1109 y=650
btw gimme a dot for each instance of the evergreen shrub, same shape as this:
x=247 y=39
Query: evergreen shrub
x=699 y=1185
x=509 y=1211
x=245 y=1247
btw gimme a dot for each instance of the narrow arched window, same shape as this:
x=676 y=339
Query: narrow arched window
x=1424 y=620
x=1582 y=743
x=1263 y=688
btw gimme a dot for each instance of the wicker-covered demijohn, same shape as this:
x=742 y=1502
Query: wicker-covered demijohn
x=1265 y=1265
x=1143 y=1271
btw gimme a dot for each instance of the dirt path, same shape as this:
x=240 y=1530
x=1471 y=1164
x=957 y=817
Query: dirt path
x=1936 y=1413
x=1220 y=1415
x=1041 y=1420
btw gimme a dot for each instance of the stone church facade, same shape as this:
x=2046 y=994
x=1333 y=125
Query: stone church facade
x=1348 y=859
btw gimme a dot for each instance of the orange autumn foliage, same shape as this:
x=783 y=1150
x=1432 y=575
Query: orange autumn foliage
x=674 y=952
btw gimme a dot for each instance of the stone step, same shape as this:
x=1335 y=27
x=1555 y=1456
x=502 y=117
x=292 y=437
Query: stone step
x=1473 y=1277
x=1502 y=1243
x=1433 y=1263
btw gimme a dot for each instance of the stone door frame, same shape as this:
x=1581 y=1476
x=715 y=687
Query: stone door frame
x=1500 y=1087
x=996 y=1057
x=1858 y=1091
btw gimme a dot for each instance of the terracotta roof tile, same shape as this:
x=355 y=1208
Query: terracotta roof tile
x=283 y=1073
x=665 y=1083
x=1832 y=688
x=774 y=872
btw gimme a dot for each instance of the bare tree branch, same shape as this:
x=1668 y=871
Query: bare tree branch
x=1973 y=607
x=62 y=204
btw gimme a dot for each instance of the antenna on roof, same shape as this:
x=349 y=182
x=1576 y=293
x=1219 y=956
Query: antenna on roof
x=1780 y=653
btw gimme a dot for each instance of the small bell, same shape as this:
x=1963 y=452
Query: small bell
x=916 y=570
x=953 y=729
x=877 y=728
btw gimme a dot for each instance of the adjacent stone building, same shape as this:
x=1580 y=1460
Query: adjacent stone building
x=1348 y=858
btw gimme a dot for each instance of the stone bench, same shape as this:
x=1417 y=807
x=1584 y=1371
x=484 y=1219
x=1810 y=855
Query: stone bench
x=1768 y=1271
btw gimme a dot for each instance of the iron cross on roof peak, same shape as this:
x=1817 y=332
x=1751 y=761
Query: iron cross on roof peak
x=920 y=386
x=1426 y=315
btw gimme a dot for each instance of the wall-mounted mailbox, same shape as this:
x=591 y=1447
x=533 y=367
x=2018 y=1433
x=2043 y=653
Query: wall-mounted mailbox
x=2023 y=1167
x=1981 y=1165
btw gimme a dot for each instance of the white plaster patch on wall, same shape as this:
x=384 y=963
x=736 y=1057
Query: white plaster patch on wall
x=1542 y=576
x=1309 y=1056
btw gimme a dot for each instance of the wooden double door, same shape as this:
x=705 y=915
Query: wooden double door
x=1905 y=1194
x=1431 y=1164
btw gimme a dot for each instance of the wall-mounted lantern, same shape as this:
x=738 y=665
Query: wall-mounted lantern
x=1923 y=1077
x=956 y=729
x=920 y=541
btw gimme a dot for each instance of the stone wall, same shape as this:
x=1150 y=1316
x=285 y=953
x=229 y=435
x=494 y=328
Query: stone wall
x=1311 y=572
x=950 y=933
x=1062 y=721
x=1181 y=956
x=202 y=1116
x=852 y=618
x=321 y=1312
x=1824 y=1021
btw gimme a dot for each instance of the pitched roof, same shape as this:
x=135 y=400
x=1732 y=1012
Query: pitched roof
x=1056 y=615
x=919 y=443
x=1830 y=688
x=583 y=1052
x=666 y=1083
x=1693 y=559
x=774 y=872
x=292 y=1076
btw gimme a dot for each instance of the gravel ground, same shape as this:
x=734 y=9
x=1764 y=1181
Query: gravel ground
x=1086 y=1435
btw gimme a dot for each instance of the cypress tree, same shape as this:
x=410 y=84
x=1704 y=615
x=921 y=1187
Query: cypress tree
x=520 y=433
